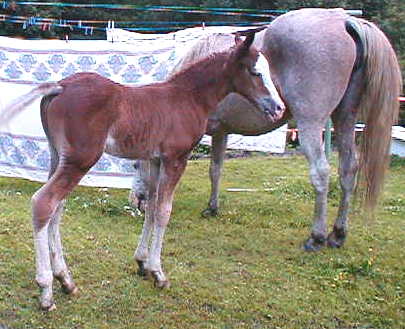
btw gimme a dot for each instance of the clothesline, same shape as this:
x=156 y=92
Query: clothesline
x=46 y=23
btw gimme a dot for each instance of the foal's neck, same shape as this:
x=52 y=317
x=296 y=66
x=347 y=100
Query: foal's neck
x=206 y=80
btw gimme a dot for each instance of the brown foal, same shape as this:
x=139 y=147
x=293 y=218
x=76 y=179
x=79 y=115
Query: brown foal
x=86 y=114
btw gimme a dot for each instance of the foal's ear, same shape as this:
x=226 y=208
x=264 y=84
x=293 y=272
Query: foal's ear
x=238 y=39
x=242 y=48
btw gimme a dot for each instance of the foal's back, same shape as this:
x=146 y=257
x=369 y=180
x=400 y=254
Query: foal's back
x=130 y=122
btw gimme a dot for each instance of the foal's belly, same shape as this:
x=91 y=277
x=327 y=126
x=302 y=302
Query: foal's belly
x=128 y=148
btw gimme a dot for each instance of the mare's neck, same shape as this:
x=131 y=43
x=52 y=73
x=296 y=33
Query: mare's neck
x=206 y=81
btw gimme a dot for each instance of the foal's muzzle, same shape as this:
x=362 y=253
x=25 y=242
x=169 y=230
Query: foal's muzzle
x=273 y=110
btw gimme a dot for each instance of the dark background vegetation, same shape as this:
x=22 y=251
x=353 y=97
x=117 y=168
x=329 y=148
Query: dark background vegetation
x=389 y=15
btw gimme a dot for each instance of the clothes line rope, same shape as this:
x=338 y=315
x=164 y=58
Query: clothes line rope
x=249 y=12
x=47 y=23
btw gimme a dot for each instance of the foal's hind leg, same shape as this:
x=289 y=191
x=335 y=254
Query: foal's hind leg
x=45 y=203
x=219 y=142
x=58 y=264
x=311 y=143
x=59 y=268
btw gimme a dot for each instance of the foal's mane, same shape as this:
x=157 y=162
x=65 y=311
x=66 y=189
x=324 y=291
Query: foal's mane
x=208 y=46
x=201 y=72
x=204 y=47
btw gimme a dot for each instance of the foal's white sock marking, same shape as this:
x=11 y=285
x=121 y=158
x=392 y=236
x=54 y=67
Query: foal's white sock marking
x=44 y=274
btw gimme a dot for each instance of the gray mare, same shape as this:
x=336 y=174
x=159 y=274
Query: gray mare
x=324 y=63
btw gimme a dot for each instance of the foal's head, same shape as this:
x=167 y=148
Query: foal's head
x=250 y=77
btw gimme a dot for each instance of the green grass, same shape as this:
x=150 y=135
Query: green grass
x=243 y=269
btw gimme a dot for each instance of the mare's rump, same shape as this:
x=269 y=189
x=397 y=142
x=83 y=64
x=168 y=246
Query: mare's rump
x=317 y=78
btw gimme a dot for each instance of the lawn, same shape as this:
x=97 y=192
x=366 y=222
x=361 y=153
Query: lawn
x=243 y=269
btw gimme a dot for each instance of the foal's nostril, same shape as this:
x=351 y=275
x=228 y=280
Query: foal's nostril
x=280 y=108
x=141 y=196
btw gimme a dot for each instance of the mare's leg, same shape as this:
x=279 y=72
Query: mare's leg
x=138 y=194
x=344 y=119
x=312 y=146
x=219 y=142
x=45 y=204
x=344 y=134
x=141 y=254
x=170 y=174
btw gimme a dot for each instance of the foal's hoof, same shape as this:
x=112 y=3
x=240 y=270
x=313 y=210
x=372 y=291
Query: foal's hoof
x=209 y=212
x=314 y=244
x=73 y=292
x=336 y=238
x=70 y=289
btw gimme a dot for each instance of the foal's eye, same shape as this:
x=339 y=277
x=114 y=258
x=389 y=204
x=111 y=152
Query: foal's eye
x=256 y=74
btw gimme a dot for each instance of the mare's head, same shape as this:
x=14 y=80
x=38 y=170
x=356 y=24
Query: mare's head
x=248 y=70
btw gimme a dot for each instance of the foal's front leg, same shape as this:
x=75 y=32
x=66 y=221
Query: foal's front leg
x=170 y=174
x=141 y=254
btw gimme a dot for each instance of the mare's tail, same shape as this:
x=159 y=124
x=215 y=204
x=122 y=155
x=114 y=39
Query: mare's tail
x=19 y=104
x=379 y=107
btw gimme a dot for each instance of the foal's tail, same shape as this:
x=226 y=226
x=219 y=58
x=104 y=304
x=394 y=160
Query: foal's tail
x=379 y=107
x=19 y=104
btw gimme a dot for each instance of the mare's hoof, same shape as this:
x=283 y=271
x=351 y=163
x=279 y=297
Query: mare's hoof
x=314 y=244
x=336 y=238
x=209 y=212
x=141 y=269
x=48 y=306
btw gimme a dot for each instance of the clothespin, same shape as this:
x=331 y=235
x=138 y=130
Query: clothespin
x=5 y=4
x=66 y=38
x=79 y=24
x=91 y=30
x=24 y=25
x=203 y=25
x=45 y=26
x=111 y=25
